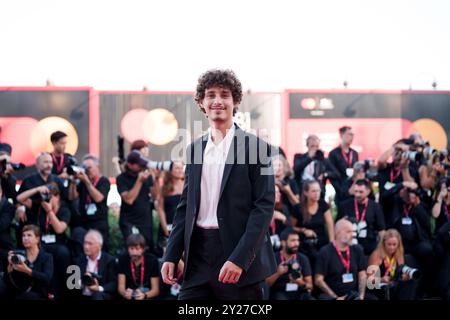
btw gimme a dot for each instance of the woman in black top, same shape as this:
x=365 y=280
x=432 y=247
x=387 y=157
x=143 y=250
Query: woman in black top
x=313 y=221
x=168 y=200
x=441 y=208
x=29 y=274
x=387 y=260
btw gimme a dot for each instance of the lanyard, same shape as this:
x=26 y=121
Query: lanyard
x=273 y=227
x=95 y=269
x=407 y=210
x=348 y=161
x=59 y=166
x=47 y=221
x=133 y=274
x=345 y=262
x=363 y=214
x=88 y=198
x=397 y=174
x=282 y=257
x=389 y=264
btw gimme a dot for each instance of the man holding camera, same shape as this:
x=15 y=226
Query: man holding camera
x=365 y=214
x=99 y=280
x=138 y=271
x=293 y=279
x=341 y=267
x=6 y=217
x=92 y=192
x=312 y=165
x=60 y=159
x=134 y=187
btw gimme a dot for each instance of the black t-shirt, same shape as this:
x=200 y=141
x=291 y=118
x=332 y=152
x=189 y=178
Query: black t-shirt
x=305 y=266
x=340 y=163
x=33 y=181
x=151 y=270
x=100 y=211
x=374 y=217
x=316 y=223
x=63 y=215
x=59 y=164
x=330 y=266
x=140 y=211
x=9 y=187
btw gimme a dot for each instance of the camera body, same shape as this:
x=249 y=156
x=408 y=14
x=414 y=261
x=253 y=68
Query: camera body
x=19 y=256
x=89 y=279
x=52 y=190
x=412 y=273
x=294 y=268
x=15 y=166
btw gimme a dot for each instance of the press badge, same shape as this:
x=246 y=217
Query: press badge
x=134 y=230
x=91 y=209
x=389 y=185
x=49 y=238
x=169 y=227
x=66 y=183
x=349 y=172
x=291 y=287
x=347 y=277
x=406 y=221
x=362 y=234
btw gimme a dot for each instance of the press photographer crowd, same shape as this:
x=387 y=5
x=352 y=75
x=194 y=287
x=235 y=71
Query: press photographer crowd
x=382 y=233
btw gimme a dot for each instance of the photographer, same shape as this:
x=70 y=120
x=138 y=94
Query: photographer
x=365 y=214
x=432 y=173
x=313 y=166
x=6 y=217
x=293 y=279
x=344 y=157
x=280 y=220
x=287 y=186
x=441 y=208
x=99 y=280
x=341 y=268
x=138 y=271
x=361 y=170
x=313 y=221
x=387 y=262
x=413 y=223
x=134 y=188
x=92 y=192
x=8 y=180
x=29 y=272
x=60 y=159
x=53 y=217
x=391 y=176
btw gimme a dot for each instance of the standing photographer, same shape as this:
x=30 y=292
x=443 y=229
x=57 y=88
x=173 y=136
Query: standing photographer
x=92 y=192
x=138 y=271
x=293 y=279
x=29 y=272
x=134 y=186
x=441 y=208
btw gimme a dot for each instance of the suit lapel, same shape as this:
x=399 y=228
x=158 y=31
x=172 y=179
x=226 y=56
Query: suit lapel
x=197 y=174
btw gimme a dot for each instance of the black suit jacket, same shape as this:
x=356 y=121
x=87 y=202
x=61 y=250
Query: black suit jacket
x=107 y=269
x=244 y=211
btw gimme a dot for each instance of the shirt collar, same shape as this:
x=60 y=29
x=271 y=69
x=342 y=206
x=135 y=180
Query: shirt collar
x=96 y=259
x=224 y=145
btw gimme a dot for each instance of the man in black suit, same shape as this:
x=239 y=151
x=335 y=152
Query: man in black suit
x=98 y=268
x=228 y=199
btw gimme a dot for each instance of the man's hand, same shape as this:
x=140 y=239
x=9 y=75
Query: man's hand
x=47 y=206
x=42 y=189
x=21 y=216
x=139 y=295
x=341 y=298
x=230 y=273
x=128 y=294
x=94 y=287
x=309 y=233
x=410 y=184
x=282 y=269
x=83 y=177
x=21 y=267
x=143 y=176
x=167 y=271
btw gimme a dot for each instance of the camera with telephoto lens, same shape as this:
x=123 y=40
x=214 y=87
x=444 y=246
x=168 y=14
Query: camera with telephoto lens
x=412 y=273
x=88 y=279
x=15 y=166
x=53 y=189
x=19 y=256
x=160 y=165
x=72 y=166
x=294 y=268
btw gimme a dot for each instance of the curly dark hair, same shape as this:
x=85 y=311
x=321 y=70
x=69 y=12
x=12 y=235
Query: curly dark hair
x=221 y=78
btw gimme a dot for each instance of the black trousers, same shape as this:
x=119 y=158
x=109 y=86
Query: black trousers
x=201 y=281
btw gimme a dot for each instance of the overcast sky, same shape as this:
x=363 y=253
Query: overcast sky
x=272 y=45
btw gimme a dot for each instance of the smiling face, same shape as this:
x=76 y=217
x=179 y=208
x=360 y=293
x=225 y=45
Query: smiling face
x=218 y=105
x=391 y=245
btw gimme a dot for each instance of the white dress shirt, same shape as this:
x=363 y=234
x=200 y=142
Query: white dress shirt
x=214 y=158
x=92 y=267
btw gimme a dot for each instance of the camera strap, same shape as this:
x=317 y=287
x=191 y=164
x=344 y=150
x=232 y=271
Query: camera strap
x=133 y=272
x=60 y=165
x=348 y=159
x=95 y=183
x=283 y=259
x=407 y=210
x=363 y=214
x=393 y=176
x=345 y=262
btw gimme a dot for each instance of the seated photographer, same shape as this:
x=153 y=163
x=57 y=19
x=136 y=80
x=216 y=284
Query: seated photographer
x=92 y=192
x=6 y=218
x=134 y=186
x=313 y=221
x=29 y=271
x=293 y=279
x=138 y=277
x=365 y=214
x=99 y=280
x=280 y=220
x=361 y=170
x=53 y=217
x=312 y=165
x=413 y=223
x=31 y=187
x=168 y=199
x=392 y=175
x=341 y=268
x=287 y=185
x=441 y=208
x=432 y=173
x=387 y=264
x=343 y=157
